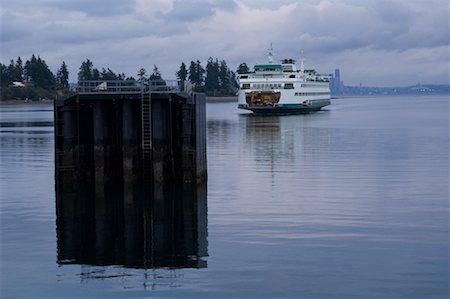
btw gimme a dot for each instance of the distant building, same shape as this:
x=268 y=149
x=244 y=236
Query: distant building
x=336 y=85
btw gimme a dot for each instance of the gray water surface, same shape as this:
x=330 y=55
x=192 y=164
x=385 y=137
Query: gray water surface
x=350 y=202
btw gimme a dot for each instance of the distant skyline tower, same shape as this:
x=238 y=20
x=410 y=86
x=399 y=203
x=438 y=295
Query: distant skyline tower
x=336 y=85
x=337 y=75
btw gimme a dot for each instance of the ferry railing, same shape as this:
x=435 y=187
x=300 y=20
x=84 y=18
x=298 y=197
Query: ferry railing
x=128 y=86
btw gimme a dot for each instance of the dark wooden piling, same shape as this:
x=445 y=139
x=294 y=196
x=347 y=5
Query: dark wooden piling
x=151 y=138
x=130 y=168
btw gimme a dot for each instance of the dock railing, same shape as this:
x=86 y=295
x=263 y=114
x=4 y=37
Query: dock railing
x=129 y=86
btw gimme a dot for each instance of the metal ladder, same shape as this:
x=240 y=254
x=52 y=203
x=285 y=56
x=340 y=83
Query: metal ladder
x=146 y=136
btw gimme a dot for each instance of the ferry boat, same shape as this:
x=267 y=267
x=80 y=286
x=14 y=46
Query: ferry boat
x=282 y=88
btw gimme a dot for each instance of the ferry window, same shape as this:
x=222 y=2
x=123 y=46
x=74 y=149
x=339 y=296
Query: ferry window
x=291 y=76
x=288 y=86
x=246 y=86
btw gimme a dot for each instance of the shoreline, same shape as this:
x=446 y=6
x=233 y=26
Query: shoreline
x=225 y=99
x=221 y=99
x=45 y=102
x=24 y=102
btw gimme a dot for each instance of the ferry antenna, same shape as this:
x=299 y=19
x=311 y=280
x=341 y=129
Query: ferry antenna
x=270 y=54
x=302 y=62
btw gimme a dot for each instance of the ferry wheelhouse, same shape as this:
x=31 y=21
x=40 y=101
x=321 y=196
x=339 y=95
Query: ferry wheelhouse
x=283 y=89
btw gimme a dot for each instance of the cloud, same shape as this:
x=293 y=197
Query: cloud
x=97 y=7
x=195 y=10
x=366 y=39
x=185 y=11
x=266 y=4
x=10 y=30
x=88 y=7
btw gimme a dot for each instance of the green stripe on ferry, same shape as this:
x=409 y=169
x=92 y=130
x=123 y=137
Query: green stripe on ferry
x=289 y=105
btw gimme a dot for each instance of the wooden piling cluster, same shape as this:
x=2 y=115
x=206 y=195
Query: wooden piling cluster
x=152 y=138
x=131 y=174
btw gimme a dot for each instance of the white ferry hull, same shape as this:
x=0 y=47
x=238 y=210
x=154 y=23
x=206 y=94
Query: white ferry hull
x=282 y=89
x=300 y=108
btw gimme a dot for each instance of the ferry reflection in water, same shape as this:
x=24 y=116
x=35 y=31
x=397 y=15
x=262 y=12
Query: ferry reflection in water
x=130 y=228
x=286 y=140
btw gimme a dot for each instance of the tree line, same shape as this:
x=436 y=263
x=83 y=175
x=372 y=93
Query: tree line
x=36 y=76
x=87 y=71
x=36 y=71
x=216 y=78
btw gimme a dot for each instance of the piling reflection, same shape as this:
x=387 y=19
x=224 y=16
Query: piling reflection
x=130 y=228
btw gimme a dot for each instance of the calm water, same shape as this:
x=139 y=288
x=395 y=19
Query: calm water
x=351 y=202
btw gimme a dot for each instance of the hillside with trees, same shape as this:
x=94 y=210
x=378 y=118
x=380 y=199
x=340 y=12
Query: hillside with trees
x=216 y=79
x=33 y=80
x=87 y=71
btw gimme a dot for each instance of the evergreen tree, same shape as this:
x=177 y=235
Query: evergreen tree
x=11 y=70
x=196 y=73
x=37 y=71
x=18 y=72
x=95 y=74
x=212 y=83
x=62 y=76
x=4 y=75
x=182 y=73
x=15 y=71
x=192 y=73
x=243 y=68
x=85 y=72
x=108 y=74
x=224 y=77
x=200 y=72
x=29 y=67
x=45 y=77
x=88 y=72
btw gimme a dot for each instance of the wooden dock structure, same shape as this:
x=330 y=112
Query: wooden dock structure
x=130 y=169
x=131 y=131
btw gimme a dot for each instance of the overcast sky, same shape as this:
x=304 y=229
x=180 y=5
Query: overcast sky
x=373 y=42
